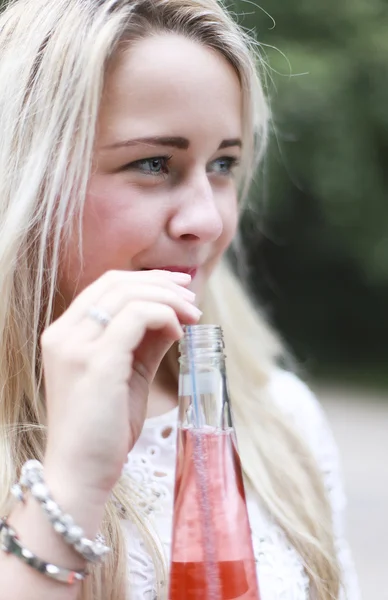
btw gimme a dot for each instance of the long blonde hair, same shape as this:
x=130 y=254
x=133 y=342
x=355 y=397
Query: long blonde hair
x=53 y=59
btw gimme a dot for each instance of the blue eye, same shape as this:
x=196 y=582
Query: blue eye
x=157 y=165
x=224 y=165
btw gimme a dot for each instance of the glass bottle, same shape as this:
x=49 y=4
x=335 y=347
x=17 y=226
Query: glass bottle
x=212 y=555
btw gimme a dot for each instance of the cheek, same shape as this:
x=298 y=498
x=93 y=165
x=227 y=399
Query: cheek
x=230 y=214
x=116 y=226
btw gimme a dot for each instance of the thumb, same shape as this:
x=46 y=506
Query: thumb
x=150 y=353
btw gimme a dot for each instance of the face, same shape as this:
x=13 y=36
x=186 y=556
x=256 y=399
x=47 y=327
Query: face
x=163 y=188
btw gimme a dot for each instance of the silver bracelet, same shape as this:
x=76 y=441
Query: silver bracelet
x=32 y=478
x=9 y=543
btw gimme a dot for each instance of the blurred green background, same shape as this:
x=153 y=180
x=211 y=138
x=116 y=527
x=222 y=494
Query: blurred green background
x=317 y=230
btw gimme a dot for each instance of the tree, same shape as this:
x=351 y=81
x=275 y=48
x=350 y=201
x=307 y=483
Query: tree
x=321 y=261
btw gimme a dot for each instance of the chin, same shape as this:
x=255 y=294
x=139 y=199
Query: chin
x=198 y=286
x=198 y=290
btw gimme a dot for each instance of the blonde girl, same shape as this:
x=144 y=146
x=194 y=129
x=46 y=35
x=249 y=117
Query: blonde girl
x=130 y=130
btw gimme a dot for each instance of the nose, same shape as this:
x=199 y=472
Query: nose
x=196 y=214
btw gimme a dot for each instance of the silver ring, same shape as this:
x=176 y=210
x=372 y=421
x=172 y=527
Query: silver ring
x=100 y=316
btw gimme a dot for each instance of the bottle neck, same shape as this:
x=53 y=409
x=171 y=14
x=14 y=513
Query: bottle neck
x=201 y=344
x=203 y=393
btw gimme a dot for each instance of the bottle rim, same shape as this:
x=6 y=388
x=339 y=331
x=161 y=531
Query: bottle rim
x=201 y=339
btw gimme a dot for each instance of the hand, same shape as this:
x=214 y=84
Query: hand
x=97 y=378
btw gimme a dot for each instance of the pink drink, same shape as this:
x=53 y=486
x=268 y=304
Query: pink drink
x=212 y=555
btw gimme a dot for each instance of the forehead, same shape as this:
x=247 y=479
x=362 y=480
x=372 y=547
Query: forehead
x=170 y=84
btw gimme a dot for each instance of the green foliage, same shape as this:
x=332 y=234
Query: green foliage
x=321 y=261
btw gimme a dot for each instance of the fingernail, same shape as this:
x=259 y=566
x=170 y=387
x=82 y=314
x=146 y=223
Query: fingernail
x=195 y=312
x=188 y=294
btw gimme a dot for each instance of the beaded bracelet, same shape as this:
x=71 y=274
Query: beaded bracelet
x=32 y=478
x=9 y=543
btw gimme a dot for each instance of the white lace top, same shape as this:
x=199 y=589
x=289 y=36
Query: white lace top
x=280 y=570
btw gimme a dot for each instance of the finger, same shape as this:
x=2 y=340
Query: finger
x=112 y=280
x=149 y=354
x=88 y=328
x=125 y=333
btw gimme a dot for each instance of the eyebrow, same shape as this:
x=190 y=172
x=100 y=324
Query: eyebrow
x=173 y=142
